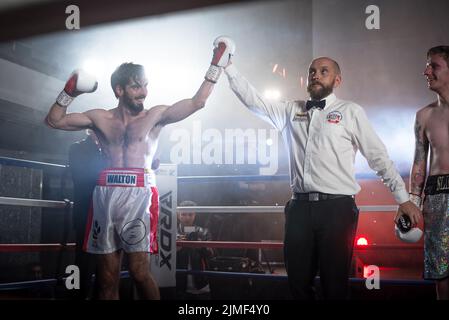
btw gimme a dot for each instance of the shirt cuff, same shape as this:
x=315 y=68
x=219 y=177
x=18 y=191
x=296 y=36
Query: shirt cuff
x=231 y=71
x=401 y=196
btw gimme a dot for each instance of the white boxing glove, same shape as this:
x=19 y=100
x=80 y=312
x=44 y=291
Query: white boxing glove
x=411 y=236
x=224 y=48
x=78 y=83
x=405 y=232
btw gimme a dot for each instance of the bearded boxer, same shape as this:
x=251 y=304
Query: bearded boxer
x=125 y=200
x=322 y=136
x=432 y=133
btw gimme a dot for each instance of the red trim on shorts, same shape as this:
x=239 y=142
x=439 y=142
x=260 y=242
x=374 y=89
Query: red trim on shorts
x=154 y=220
x=90 y=215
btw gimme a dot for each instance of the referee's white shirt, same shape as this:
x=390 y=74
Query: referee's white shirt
x=322 y=144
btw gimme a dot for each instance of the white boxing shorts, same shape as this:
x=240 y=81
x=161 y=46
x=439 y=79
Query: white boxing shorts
x=124 y=212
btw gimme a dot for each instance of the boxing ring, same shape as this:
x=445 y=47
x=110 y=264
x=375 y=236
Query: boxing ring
x=65 y=207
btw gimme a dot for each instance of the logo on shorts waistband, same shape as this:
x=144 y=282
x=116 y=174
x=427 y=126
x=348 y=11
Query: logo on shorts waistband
x=121 y=179
x=442 y=183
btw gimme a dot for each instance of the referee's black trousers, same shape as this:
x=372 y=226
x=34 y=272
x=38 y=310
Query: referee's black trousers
x=319 y=235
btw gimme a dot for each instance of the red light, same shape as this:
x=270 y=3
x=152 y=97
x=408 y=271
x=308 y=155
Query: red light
x=362 y=241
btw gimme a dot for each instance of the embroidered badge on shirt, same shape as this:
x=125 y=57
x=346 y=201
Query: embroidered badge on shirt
x=300 y=116
x=334 y=117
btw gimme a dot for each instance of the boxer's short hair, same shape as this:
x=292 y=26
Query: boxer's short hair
x=124 y=73
x=441 y=50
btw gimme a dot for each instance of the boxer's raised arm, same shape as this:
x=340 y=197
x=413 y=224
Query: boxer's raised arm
x=78 y=83
x=184 y=108
x=57 y=118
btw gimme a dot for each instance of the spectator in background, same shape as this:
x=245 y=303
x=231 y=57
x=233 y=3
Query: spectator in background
x=192 y=287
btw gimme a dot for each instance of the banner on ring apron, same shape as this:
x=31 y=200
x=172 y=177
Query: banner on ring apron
x=163 y=264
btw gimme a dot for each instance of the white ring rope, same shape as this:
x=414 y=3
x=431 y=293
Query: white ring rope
x=268 y=209
x=33 y=203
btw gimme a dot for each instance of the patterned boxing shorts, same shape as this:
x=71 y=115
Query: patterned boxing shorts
x=123 y=213
x=436 y=227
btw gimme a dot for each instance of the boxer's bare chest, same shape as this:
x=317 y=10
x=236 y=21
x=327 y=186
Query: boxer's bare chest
x=437 y=132
x=136 y=134
x=437 y=129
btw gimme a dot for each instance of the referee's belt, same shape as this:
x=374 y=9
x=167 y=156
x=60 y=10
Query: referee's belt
x=317 y=196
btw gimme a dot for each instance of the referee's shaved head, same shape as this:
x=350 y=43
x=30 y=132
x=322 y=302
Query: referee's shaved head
x=332 y=62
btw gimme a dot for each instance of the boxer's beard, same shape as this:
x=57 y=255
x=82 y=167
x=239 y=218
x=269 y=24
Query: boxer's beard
x=136 y=107
x=320 y=92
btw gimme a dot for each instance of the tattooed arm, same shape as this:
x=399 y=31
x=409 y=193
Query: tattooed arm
x=418 y=174
x=419 y=167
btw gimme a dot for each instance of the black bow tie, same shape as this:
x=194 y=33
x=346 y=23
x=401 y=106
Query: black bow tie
x=315 y=103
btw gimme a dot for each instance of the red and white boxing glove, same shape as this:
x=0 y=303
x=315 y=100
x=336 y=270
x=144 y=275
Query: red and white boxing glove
x=78 y=83
x=224 y=48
